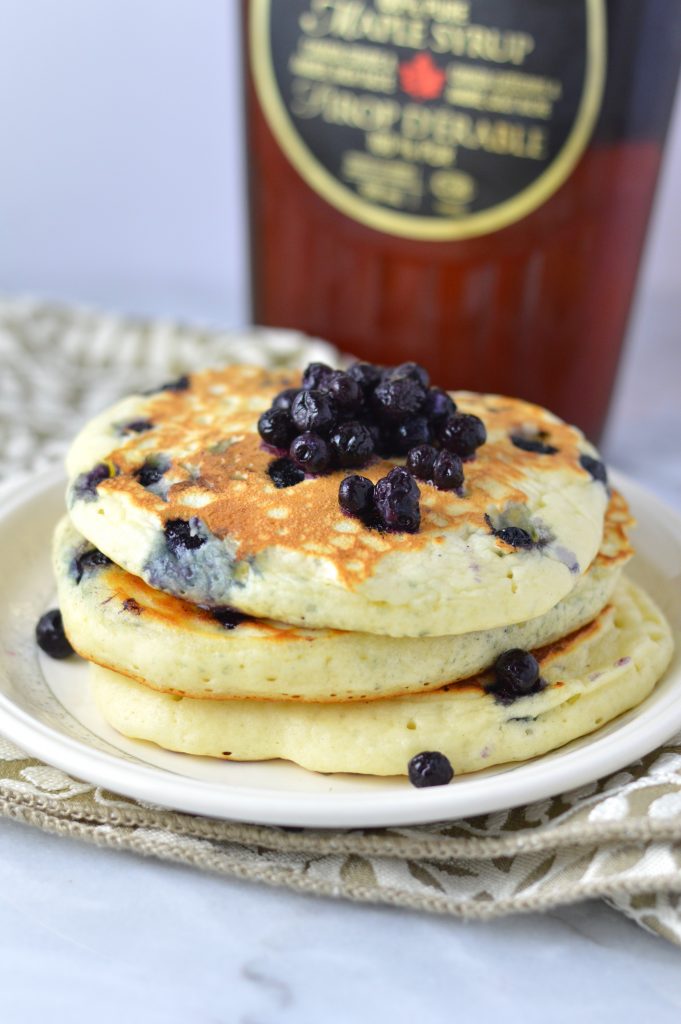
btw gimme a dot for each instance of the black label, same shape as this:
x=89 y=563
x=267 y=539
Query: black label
x=431 y=118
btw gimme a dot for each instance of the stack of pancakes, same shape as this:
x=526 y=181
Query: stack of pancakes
x=229 y=617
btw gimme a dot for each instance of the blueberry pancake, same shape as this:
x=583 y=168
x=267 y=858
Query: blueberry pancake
x=581 y=682
x=118 y=621
x=180 y=489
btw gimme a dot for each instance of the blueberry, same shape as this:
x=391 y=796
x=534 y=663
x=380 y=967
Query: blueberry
x=430 y=768
x=275 y=428
x=413 y=371
x=346 y=393
x=228 y=617
x=396 y=497
x=313 y=410
x=595 y=468
x=182 y=535
x=355 y=496
x=315 y=375
x=462 y=434
x=532 y=444
x=353 y=444
x=135 y=427
x=411 y=433
x=516 y=674
x=181 y=384
x=420 y=461
x=283 y=473
x=50 y=635
x=515 y=536
x=85 y=486
x=438 y=406
x=366 y=374
x=131 y=605
x=396 y=400
x=151 y=471
x=92 y=559
x=310 y=452
x=285 y=398
x=447 y=471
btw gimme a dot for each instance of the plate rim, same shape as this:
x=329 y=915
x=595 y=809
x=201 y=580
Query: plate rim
x=473 y=795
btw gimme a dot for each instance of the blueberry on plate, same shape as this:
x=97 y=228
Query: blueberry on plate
x=50 y=635
x=430 y=768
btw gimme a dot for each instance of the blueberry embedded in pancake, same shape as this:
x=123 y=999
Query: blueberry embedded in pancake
x=283 y=548
x=86 y=559
x=594 y=467
x=533 y=444
x=516 y=674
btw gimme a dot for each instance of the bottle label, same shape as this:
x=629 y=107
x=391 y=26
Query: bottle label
x=430 y=119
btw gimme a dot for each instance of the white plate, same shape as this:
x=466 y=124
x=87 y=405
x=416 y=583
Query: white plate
x=46 y=709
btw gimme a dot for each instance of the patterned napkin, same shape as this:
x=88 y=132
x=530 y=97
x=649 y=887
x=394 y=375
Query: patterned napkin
x=618 y=838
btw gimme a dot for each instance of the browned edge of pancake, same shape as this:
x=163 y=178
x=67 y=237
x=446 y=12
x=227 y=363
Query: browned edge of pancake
x=473 y=684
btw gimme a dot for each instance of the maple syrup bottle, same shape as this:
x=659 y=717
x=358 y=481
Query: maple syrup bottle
x=462 y=182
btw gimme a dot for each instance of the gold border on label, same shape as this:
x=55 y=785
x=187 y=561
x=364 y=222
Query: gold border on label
x=408 y=225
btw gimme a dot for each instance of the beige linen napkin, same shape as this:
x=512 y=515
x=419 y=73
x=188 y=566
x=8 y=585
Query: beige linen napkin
x=618 y=838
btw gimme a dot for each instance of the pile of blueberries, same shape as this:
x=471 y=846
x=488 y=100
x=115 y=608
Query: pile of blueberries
x=343 y=419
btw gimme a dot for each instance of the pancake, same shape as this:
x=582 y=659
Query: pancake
x=292 y=555
x=592 y=676
x=118 y=621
